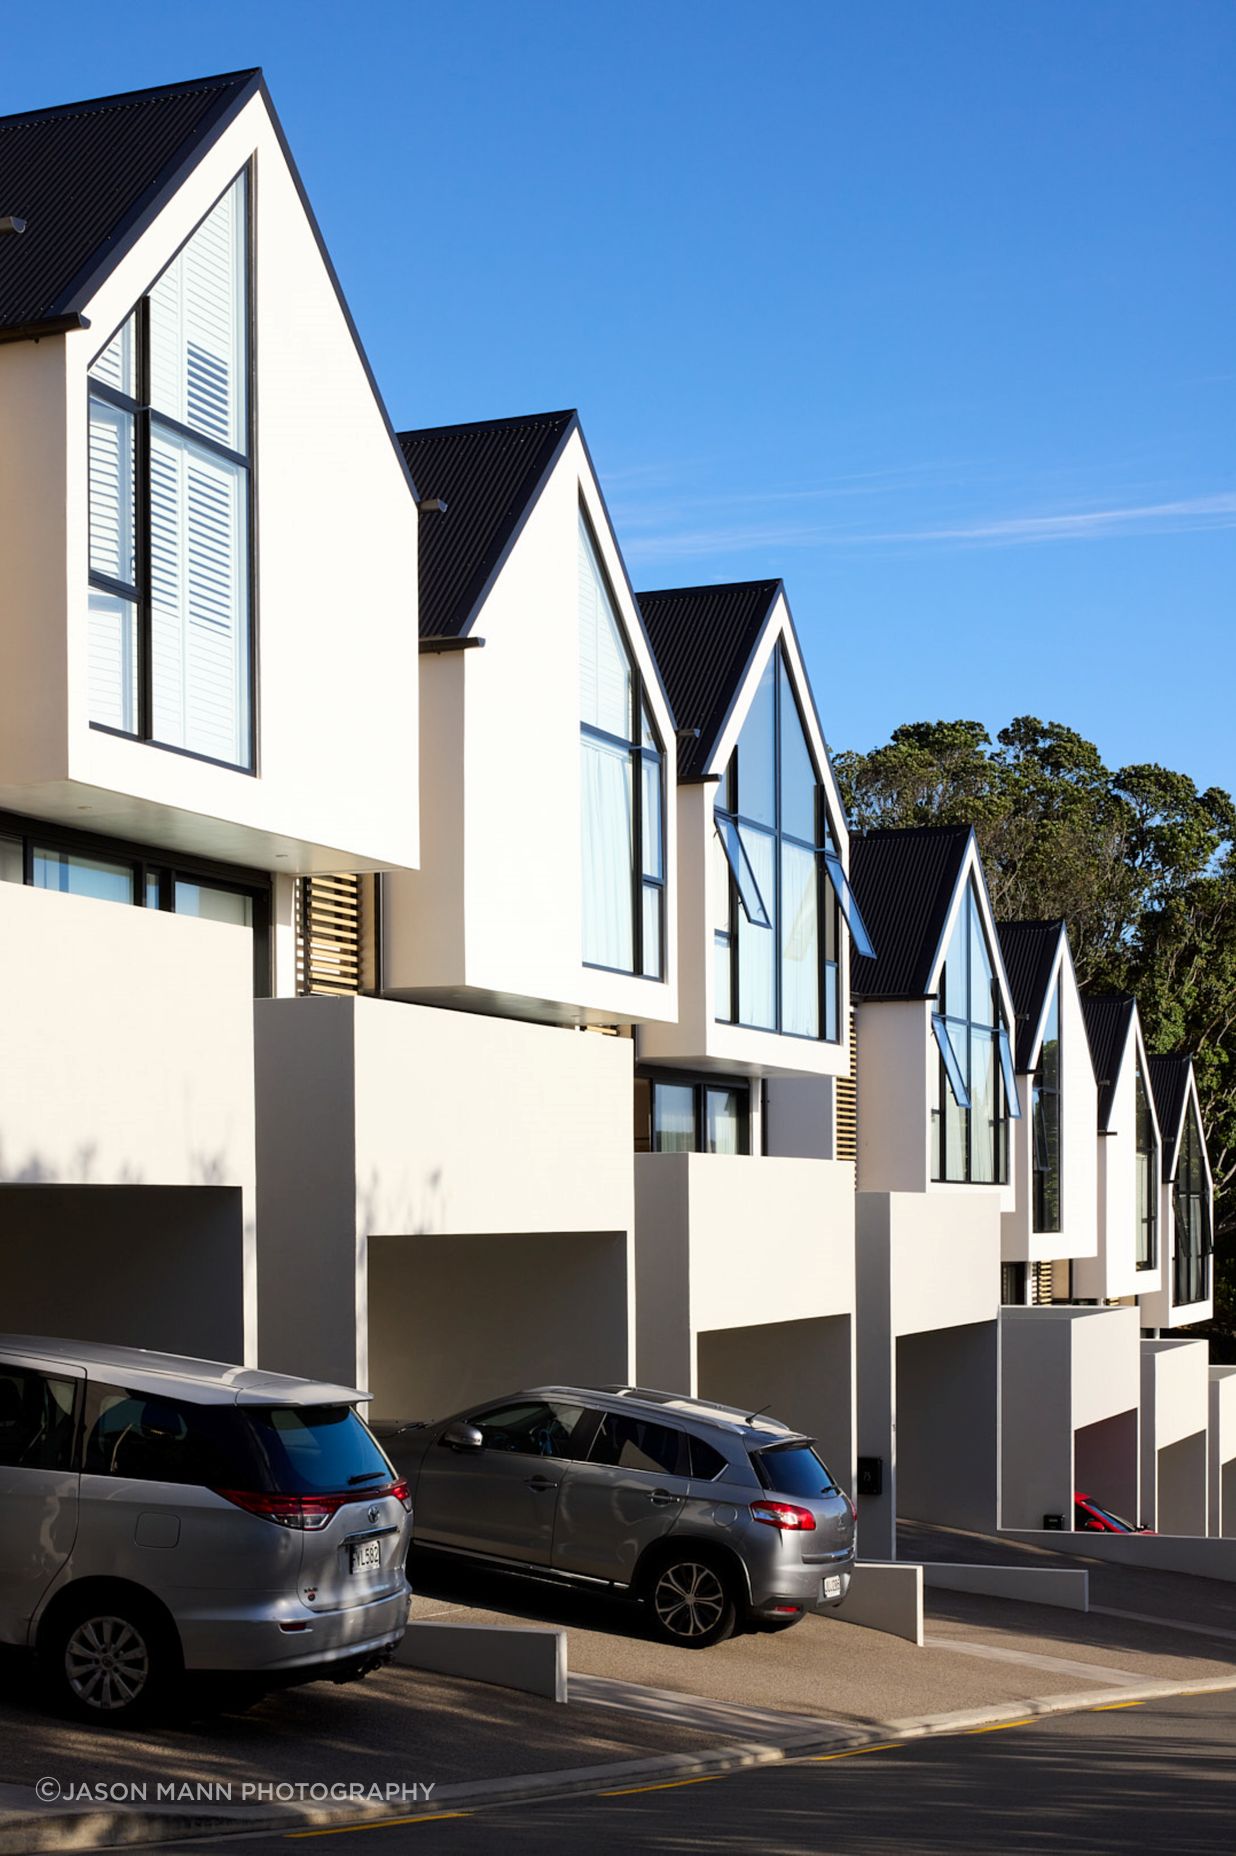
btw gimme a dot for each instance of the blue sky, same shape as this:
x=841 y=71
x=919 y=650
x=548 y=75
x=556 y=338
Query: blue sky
x=930 y=309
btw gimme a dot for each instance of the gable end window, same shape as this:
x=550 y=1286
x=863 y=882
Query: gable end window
x=1147 y=1174
x=1046 y=1124
x=1191 y=1205
x=622 y=789
x=780 y=893
x=171 y=497
x=974 y=1087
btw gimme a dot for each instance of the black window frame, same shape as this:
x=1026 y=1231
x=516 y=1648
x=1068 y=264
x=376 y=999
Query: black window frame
x=1046 y=1117
x=1146 y=1161
x=641 y=711
x=727 y=811
x=147 y=863
x=1193 y=1240
x=145 y=417
x=1004 y=1099
x=700 y=1085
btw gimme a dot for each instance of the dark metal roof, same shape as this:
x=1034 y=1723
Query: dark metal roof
x=703 y=638
x=904 y=882
x=1169 y=1084
x=489 y=475
x=87 y=178
x=1107 y=1030
x=1028 y=950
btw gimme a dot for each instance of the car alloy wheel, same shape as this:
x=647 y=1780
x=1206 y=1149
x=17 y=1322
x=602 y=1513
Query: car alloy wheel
x=107 y=1663
x=689 y=1599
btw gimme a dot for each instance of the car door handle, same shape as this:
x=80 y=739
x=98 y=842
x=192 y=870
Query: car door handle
x=661 y=1498
x=541 y=1483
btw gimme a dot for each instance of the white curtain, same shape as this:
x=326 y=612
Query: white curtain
x=606 y=854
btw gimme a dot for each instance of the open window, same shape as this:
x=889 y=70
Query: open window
x=780 y=892
x=975 y=1088
x=1046 y=1125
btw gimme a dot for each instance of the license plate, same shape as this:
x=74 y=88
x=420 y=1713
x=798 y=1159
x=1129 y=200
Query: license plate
x=365 y=1555
x=832 y=1585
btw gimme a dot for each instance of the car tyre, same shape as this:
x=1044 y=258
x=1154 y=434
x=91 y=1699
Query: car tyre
x=109 y=1660
x=691 y=1599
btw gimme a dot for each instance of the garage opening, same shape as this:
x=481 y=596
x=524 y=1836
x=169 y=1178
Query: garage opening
x=799 y=1371
x=947 y=1429
x=453 y=1320
x=132 y=1266
x=1105 y=1464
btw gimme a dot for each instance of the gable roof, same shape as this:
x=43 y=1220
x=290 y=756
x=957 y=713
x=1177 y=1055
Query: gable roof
x=489 y=475
x=704 y=638
x=87 y=178
x=1169 y=1084
x=904 y=882
x=1107 y=1030
x=1029 y=951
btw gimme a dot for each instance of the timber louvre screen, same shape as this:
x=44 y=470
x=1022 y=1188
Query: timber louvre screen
x=330 y=923
x=846 y=1096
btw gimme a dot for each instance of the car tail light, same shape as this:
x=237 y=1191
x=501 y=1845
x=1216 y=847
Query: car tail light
x=784 y=1515
x=309 y=1513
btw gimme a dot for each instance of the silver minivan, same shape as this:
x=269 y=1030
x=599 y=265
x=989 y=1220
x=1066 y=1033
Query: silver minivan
x=710 y=1515
x=160 y=1514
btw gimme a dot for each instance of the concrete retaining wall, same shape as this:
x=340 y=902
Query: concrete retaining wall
x=884 y=1595
x=531 y=1659
x=1208 y=1559
x=1035 y=1585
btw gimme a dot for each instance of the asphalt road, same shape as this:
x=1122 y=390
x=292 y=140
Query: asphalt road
x=1159 y=1776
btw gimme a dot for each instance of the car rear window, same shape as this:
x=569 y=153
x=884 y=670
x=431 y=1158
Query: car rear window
x=706 y=1463
x=316 y=1449
x=148 y=1438
x=793 y=1469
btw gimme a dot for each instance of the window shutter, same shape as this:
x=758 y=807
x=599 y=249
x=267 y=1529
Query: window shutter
x=846 y=1096
x=330 y=925
x=196 y=329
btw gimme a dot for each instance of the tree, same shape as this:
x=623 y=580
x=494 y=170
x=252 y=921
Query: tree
x=1140 y=864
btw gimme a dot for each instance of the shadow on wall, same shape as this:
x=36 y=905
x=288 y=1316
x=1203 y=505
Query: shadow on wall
x=140 y=1266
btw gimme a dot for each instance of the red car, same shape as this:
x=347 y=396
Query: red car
x=1089 y=1518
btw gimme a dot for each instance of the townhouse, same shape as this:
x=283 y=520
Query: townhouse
x=499 y=997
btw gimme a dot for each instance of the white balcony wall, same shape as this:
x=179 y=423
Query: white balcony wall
x=335 y=550
x=1221 y=1466
x=382 y=1120
x=896 y=1066
x=1065 y=1370
x=1175 y=1421
x=492 y=919
x=1078 y=1233
x=126 y=1062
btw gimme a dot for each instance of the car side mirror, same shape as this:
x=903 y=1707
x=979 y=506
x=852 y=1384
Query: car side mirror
x=462 y=1437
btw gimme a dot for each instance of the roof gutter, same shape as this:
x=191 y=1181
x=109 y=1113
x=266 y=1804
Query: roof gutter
x=53 y=325
x=437 y=645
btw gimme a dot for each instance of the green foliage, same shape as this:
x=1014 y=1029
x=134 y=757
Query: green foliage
x=1140 y=864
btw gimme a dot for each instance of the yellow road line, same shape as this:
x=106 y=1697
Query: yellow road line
x=380 y=1823
x=1000 y=1727
x=885 y=1746
x=667 y=1785
x=1109 y=1707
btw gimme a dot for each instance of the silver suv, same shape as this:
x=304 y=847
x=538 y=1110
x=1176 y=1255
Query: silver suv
x=161 y=1514
x=711 y=1516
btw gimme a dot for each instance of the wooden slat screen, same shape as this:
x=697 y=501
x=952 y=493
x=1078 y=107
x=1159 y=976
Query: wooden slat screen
x=1043 y=1283
x=846 y=1090
x=330 y=929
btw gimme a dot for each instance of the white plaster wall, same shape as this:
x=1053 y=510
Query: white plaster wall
x=944 y=1259
x=1078 y=1235
x=1175 y=1411
x=801 y=1117
x=1112 y=1272
x=126 y=1053
x=336 y=563
x=801 y=1371
x=895 y=1068
x=1062 y=1369
x=516 y=932
x=1222 y=1451
x=377 y=1118
x=767 y=1240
